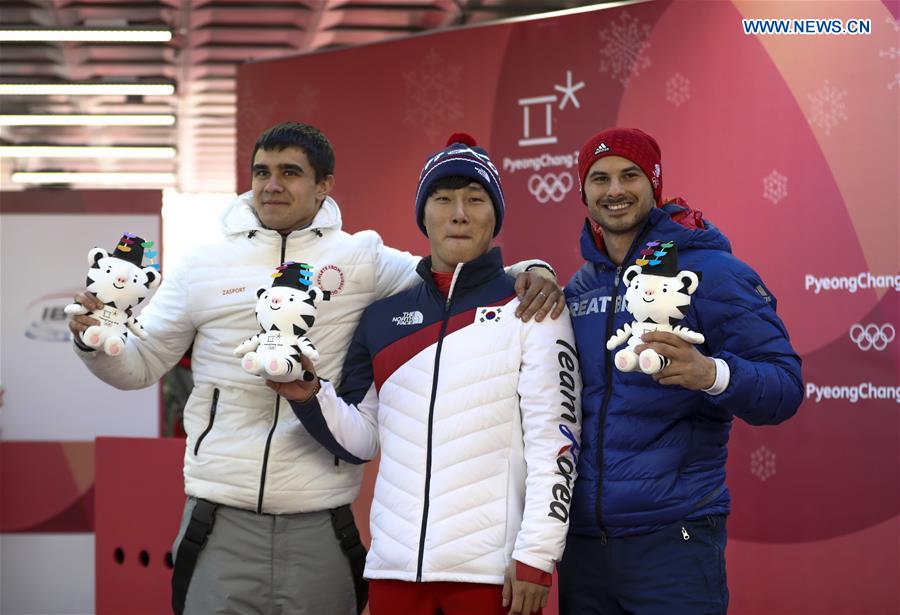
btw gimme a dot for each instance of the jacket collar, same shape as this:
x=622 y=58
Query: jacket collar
x=467 y=275
x=659 y=225
x=240 y=216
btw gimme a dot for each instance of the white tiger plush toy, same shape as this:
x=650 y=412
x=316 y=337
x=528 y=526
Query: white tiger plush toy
x=285 y=313
x=658 y=297
x=117 y=280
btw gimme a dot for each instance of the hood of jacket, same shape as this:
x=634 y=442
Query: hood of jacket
x=240 y=216
x=660 y=224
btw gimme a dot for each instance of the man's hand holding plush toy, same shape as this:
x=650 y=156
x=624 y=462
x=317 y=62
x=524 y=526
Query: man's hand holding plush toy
x=658 y=297
x=687 y=367
x=286 y=311
x=298 y=390
x=116 y=284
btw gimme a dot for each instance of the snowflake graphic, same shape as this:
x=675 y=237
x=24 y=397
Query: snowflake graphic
x=432 y=91
x=892 y=53
x=827 y=107
x=762 y=463
x=774 y=187
x=624 y=53
x=678 y=89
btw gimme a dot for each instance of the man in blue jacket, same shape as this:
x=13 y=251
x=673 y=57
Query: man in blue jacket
x=647 y=531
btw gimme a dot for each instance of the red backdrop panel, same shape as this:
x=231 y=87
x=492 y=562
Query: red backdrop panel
x=46 y=487
x=139 y=499
x=81 y=201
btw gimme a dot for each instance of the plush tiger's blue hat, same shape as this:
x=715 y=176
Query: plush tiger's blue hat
x=294 y=275
x=132 y=248
x=659 y=258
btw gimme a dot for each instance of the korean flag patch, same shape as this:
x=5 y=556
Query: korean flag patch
x=489 y=315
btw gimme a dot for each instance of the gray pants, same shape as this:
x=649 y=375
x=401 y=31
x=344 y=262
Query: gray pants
x=269 y=565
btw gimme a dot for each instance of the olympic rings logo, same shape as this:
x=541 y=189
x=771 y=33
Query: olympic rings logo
x=872 y=336
x=550 y=187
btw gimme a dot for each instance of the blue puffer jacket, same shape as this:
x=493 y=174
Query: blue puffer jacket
x=653 y=454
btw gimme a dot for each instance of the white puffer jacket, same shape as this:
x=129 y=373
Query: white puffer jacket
x=478 y=418
x=245 y=448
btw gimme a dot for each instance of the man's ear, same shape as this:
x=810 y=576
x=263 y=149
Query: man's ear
x=324 y=187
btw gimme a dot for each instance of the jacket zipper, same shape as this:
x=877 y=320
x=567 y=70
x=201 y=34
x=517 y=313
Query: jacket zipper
x=265 y=461
x=434 y=382
x=262 y=478
x=212 y=418
x=610 y=327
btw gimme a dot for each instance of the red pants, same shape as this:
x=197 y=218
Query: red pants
x=387 y=597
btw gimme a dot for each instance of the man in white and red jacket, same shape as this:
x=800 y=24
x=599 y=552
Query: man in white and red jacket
x=476 y=413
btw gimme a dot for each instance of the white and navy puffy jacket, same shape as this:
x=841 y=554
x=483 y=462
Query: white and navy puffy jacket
x=245 y=448
x=477 y=415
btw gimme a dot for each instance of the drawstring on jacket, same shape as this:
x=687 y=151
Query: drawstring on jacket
x=315 y=230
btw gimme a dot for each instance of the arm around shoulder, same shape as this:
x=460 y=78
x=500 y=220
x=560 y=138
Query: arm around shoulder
x=395 y=270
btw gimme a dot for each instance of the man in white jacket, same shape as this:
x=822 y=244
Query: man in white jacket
x=284 y=538
x=476 y=414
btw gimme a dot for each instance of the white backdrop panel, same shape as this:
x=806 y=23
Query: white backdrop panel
x=46 y=574
x=50 y=395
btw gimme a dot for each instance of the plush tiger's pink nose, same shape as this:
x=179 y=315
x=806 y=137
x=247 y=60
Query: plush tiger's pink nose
x=276 y=300
x=120 y=280
x=649 y=292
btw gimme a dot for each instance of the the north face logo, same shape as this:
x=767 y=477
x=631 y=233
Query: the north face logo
x=408 y=318
x=602 y=148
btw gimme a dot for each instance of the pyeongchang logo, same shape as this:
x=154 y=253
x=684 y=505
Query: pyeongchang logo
x=408 y=318
x=853 y=393
x=862 y=281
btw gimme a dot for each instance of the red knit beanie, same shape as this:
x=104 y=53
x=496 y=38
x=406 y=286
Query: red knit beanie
x=631 y=143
